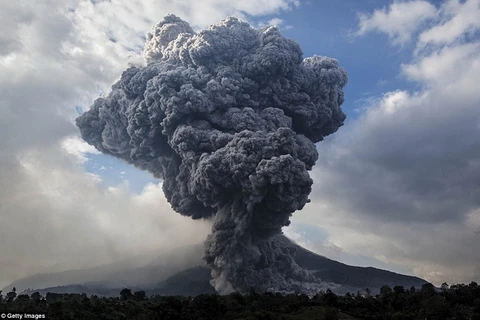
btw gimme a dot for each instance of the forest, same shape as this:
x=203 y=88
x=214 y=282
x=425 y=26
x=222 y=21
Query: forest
x=428 y=302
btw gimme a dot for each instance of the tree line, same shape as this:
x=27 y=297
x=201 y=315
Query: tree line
x=448 y=302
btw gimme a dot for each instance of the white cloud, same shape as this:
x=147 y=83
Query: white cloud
x=126 y=22
x=56 y=217
x=457 y=20
x=276 y=22
x=323 y=247
x=401 y=183
x=78 y=148
x=399 y=21
x=446 y=65
x=393 y=101
x=382 y=82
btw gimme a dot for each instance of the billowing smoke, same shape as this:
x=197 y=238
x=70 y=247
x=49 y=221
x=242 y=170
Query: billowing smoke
x=228 y=118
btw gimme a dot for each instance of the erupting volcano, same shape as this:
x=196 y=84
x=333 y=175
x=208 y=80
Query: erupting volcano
x=228 y=118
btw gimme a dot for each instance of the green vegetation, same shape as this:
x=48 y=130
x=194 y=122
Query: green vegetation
x=450 y=302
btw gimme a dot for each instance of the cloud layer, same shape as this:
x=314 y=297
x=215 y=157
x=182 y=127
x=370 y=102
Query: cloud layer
x=398 y=20
x=401 y=183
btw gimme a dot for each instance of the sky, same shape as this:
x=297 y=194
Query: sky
x=397 y=187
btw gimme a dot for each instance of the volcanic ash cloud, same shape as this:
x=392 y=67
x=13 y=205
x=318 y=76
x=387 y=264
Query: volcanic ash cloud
x=227 y=118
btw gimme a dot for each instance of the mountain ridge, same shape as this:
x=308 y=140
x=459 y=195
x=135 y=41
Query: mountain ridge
x=180 y=272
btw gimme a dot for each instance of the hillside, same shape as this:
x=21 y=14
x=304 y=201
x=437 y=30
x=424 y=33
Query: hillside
x=179 y=272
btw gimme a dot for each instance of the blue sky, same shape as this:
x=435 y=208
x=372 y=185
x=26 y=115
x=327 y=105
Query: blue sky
x=396 y=187
x=327 y=28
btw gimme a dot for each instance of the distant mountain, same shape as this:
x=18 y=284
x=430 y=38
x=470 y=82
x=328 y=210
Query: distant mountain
x=190 y=282
x=179 y=272
x=143 y=270
x=351 y=278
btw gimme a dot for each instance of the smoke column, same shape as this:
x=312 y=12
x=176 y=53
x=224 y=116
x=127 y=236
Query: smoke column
x=227 y=118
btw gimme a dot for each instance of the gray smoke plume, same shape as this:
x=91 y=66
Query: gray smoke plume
x=228 y=118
